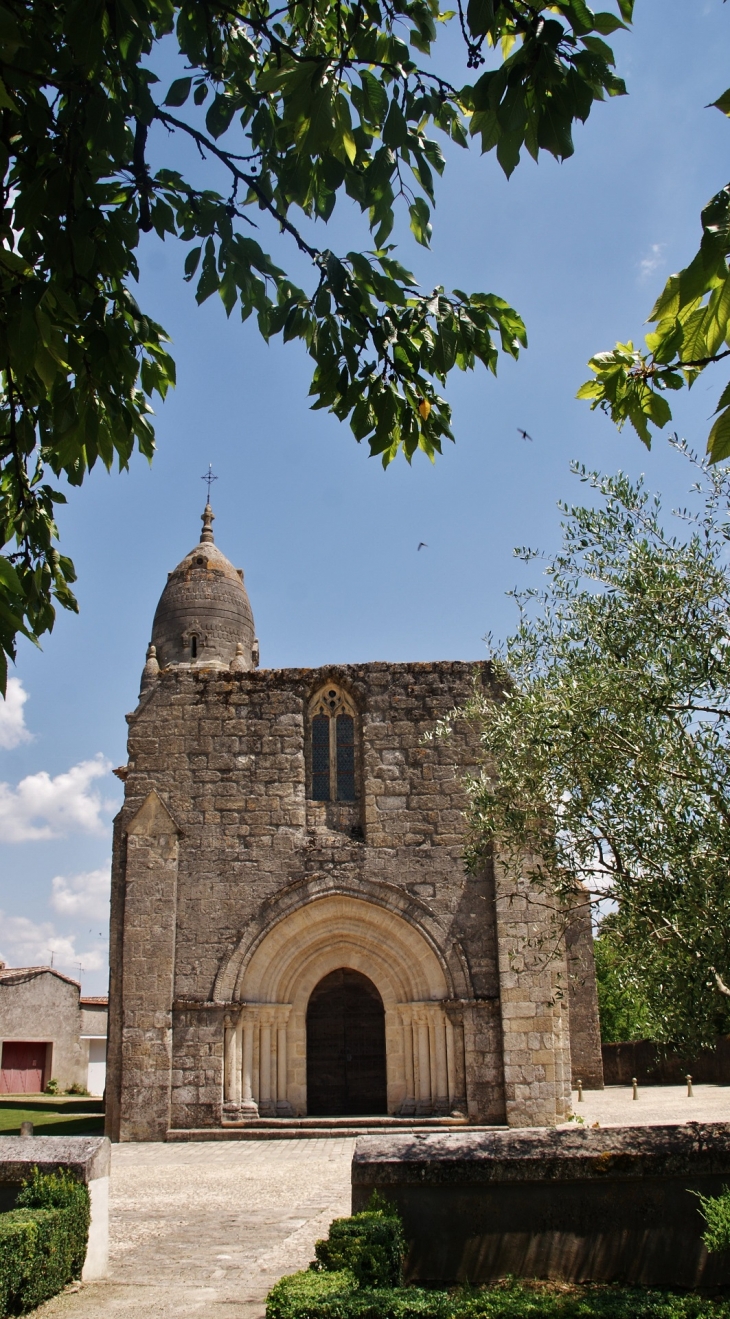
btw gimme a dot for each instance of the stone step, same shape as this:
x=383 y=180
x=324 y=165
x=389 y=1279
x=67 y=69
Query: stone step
x=296 y=1128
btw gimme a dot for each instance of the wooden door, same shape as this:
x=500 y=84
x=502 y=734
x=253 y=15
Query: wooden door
x=23 y=1068
x=346 y=1074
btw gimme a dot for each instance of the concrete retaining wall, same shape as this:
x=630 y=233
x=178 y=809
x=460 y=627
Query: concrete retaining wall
x=613 y=1205
x=87 y=1157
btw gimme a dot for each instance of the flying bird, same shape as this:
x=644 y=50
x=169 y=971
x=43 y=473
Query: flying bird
x=422 y=546
x=523 y=433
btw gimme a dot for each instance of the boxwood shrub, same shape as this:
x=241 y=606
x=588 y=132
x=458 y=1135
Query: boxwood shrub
x=369 y=1244
x=42 y=1241
x=311 y=1295
x=358 y=1269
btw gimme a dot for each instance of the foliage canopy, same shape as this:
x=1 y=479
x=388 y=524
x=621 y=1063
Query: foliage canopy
x=608 y=759
x=691 y=319
x=300 y=104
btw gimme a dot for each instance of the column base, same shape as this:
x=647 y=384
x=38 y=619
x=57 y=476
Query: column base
x=249 y=1108
x=267 y=1108
x=407 y=1108
x=424 y=1108
x=440 y=1107
x=231 y=1112
x=284 y=1108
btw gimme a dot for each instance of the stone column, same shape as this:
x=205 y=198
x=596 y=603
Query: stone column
x=585 y=1029
x=230 y=1068
x=408 y=1107
x=249 y=1107
x=283 y=1106
x=145 y=947
x=455 y=1056
x=440 y=1083
x=532 y=979
x=450 y=1066
x=423 y=1103
x=266 y=1107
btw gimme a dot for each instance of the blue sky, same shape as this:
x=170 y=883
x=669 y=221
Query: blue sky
x=327 y=539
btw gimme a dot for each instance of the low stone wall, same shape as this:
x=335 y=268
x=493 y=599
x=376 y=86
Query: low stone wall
x=87 y=1157
x=612 y=1205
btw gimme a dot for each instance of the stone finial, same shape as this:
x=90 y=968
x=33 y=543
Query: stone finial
x=151 y=670
x=238 y=663
x=206 y=535
x=255 y=653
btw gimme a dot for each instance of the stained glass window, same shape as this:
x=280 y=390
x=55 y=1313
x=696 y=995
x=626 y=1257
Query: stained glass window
x=345 y=757
x=333 y=746
x=321 y=757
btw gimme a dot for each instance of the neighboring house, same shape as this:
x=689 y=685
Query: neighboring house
x=48 y=1031
x=293 y=931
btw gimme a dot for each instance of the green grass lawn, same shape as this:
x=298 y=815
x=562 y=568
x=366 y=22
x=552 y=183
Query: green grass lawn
x=69 y=1117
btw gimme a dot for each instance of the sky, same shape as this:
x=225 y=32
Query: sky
x=327 y=539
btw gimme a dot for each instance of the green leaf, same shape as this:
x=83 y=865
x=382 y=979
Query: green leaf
x=723 y=102
x=607 y=23
x=420 y=221
x=480 y=17
x=718 y=442
x=395 y=128
x=9 y=577
x=220 y=114
x=724 y=398
x=6 y=100
x=179 y=92
x=375 y=98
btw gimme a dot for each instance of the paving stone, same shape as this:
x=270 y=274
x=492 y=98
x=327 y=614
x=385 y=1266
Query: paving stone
x=206 y=1230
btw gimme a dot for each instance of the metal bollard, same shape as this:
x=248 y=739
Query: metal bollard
x=690 y=1092
x=635 y=1087
x=580 y=1091
x=26 y=1128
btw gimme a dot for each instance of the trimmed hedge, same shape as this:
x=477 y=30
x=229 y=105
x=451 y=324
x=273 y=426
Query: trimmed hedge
x=369 y=1244
x=311 y=1295
x=42 y=1241
x=358 y=1269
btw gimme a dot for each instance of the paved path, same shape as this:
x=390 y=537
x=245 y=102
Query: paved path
x=206 y=1229
x=614 y=1106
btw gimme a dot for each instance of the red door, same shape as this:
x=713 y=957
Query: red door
x=23 y=1068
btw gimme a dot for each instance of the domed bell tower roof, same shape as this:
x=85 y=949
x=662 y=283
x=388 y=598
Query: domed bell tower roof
x=204 y=618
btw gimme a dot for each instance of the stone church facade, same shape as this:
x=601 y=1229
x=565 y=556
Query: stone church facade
x=293 y=930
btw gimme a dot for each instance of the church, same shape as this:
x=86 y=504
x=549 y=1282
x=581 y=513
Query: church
x=294 y=934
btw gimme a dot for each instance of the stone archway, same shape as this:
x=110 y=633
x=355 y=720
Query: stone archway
x=266 y=1049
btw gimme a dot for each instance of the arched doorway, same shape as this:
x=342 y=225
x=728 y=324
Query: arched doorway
x=346 y=1074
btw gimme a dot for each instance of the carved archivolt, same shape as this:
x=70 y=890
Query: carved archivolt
x=267 y=1040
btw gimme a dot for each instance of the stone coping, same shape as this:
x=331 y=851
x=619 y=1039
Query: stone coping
x=537 y=1154
x=87 y=1157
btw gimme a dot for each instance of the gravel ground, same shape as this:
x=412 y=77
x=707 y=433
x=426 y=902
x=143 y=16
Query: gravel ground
x=615 y=1107
x=206 y=1229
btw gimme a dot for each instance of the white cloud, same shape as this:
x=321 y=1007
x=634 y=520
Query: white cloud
x=30 y=943
x=86 y=894
x=44 y=807
x=653 y=261
x=12 y=720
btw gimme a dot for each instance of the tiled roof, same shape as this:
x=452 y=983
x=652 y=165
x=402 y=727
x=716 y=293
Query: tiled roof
x=20 y=973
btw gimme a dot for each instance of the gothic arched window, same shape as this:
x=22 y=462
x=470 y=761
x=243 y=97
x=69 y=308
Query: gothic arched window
x=332 y=719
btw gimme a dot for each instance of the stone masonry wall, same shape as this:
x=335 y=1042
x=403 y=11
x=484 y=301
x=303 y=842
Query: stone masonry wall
x=227 y=753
